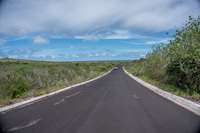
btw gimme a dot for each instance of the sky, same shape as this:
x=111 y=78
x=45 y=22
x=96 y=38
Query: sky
x=89 y=30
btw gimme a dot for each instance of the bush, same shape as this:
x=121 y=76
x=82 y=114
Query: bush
x=176 y=63
x=183 y=56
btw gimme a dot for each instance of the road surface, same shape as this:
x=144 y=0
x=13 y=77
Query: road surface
x=114 y=103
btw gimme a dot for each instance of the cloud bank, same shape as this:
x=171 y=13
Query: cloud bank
x=93 y=19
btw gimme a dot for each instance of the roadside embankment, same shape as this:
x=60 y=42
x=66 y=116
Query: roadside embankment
x=25 y=78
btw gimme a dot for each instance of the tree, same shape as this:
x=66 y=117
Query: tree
x=183 y=56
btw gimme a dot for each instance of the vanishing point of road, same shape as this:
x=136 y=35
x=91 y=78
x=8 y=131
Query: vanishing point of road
x=114 y=103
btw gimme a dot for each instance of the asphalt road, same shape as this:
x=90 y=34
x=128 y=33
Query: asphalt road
x=114 y=103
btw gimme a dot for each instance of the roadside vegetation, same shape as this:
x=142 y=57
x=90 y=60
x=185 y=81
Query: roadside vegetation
x=174 y=66
x=24 y=78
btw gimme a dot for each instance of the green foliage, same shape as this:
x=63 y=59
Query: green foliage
x=183 y=56
x=21 y=78
x=155 y=62
x=176 y=63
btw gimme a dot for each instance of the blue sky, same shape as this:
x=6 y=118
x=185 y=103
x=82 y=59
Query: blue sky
x=88 y=30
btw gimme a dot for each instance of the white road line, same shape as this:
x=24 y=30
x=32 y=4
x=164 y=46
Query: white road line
x=67 y=97
x=136 y=96
x=73 y=94
x=59 y=102
x=21 y=127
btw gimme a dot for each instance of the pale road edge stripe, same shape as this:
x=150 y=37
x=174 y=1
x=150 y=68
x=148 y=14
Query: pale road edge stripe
x=12 y=106
x=191 y=106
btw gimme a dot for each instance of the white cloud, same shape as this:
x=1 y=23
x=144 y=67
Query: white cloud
x=142 y=55
x=120 y=34
x=75 y=56
x=88 y=37
x=71 y=47
x=83 y=48
x=40 y=40
x=103 y=54
x=2 y=41
x=133 y=50
x=52 y=56
x=115 y=34
x=93 y=18
x=156 y=42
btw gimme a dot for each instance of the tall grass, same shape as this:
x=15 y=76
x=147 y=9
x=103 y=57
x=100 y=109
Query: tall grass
x=23 y=78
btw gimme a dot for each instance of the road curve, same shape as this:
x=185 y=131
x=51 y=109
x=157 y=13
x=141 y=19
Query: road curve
x=114 y=103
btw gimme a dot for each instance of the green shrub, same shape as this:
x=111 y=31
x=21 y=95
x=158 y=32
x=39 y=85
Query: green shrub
x=183 y=56
x=176 y=63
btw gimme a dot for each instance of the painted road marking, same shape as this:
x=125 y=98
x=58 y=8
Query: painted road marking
x=59 y=102
x=67 y=97
x=136 y=96
x=73 y=94
x=21 y=127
